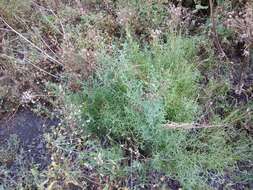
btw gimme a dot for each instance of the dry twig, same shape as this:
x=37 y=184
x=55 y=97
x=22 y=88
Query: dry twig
x=173 y=125
x=214 y=31
x=32 y=44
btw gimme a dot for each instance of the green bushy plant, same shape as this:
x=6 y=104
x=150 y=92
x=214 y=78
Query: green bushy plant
x=117 y=103
x=135 y=89
x=132 y=93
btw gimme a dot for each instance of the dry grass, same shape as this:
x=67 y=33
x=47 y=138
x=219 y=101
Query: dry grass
x=242 y=24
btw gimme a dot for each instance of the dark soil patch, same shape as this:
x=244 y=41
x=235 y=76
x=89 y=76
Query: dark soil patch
x=159 y=180
x=155 y=180
x=232 y=180
x=29 y=129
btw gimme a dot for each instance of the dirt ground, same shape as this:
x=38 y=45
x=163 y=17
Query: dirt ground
x=29 y=129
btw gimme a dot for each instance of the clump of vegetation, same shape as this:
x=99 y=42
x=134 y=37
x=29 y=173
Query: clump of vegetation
x=9 y=150
x=134 y=90
x=132 y=94
x=118 y=73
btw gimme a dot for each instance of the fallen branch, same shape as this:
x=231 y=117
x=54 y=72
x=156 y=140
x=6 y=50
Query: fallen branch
x=173 y=125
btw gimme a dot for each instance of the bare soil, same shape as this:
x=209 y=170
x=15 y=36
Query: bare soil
x=29 y=129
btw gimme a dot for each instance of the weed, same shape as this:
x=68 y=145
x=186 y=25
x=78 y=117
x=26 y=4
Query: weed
x=131 y=94
x=9 y=150
x=116 y=72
